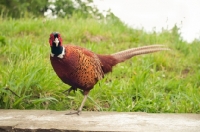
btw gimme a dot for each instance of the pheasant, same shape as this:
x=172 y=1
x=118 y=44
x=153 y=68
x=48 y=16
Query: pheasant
x=82 y=68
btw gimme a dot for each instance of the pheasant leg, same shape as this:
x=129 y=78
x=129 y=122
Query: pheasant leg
x=78 y=112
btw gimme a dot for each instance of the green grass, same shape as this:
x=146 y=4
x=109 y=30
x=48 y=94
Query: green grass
x=161 y=82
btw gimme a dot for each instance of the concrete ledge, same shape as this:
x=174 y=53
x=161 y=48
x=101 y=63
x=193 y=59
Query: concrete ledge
x=47 y=120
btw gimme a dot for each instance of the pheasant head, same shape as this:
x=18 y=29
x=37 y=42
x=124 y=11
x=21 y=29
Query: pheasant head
x=55 y=42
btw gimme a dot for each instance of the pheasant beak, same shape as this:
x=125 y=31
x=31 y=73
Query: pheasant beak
x=56 y=41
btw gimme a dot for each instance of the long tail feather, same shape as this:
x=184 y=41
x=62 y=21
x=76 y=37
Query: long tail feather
x=127 y=54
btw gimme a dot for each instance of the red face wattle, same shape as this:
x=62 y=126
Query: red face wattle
x=55 y=39
x=51 y=39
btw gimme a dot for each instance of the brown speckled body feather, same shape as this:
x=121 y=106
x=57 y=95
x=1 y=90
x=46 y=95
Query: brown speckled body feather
x=79 y=68
x=82 y=68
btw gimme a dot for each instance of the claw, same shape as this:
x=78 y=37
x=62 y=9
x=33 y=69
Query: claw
x=69 y=90
x=78 y=112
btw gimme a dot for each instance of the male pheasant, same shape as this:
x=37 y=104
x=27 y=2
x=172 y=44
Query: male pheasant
x=82 y=68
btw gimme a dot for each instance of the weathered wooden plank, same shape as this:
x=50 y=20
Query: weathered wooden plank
x=47 y=120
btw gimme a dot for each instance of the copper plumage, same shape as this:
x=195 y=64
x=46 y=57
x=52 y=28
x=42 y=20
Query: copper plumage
x=82 y=68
